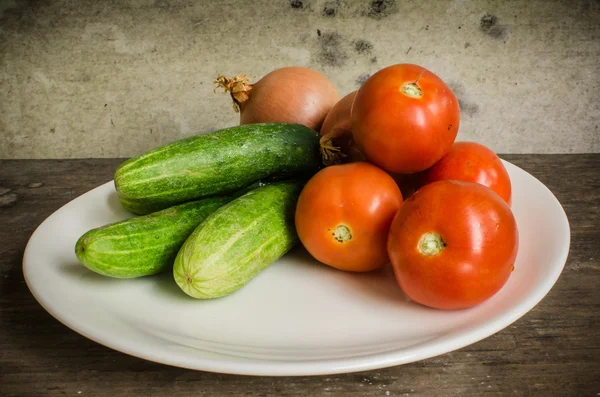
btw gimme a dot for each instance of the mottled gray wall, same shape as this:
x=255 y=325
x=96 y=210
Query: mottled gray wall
x=114 y=78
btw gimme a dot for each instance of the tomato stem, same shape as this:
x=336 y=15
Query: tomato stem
x=431 y=244
x=342 y=234
x=412 y=90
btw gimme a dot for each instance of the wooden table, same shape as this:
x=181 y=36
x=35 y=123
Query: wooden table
x=554 y=350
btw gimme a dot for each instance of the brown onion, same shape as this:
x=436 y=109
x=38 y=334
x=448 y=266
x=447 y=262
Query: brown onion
x=287 y=95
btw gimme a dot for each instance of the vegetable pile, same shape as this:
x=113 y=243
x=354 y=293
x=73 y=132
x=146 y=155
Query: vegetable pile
x=370 y=180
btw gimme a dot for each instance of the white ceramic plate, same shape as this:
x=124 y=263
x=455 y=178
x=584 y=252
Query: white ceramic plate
x=298 y=317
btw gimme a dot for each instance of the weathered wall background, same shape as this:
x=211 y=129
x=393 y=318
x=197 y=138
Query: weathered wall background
x=114 y=78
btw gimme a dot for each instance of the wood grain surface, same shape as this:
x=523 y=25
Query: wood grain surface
x=554 y=350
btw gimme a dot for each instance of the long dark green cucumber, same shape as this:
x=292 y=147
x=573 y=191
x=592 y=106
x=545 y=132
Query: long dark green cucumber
x=143 y=245
x=238 y=241
x=216 y=164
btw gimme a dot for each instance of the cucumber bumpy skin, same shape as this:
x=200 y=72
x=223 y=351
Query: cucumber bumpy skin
x=143 y=245
x=216 y=164
x=238 y=241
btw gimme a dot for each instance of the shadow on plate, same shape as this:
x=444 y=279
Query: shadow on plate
x=163 y=284
x=166 y=286
x=115 y=206
x=77 y=271
x=378 y=285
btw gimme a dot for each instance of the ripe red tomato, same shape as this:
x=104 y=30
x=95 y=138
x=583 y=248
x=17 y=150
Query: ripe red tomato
x=336 y=134
x=405 y=118
x=453 y=244
x=408 y=183
x=344 y=214
x=471 y=162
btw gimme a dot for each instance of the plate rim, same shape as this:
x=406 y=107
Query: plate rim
x=315 y=367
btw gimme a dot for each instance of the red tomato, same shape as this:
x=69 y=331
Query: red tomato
x=408 y=183
x=336 y=132
x=471 y=162
x=344 y=214
x=405 y=118
x=453 y=244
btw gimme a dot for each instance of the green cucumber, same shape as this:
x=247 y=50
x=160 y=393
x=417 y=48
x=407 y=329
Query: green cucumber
x=144 y=245
x=216 y=164
x=238 y=241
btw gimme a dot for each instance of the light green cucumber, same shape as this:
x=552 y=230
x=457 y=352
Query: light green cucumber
x=217 y=163
x=143 y=245
x=238 y=241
